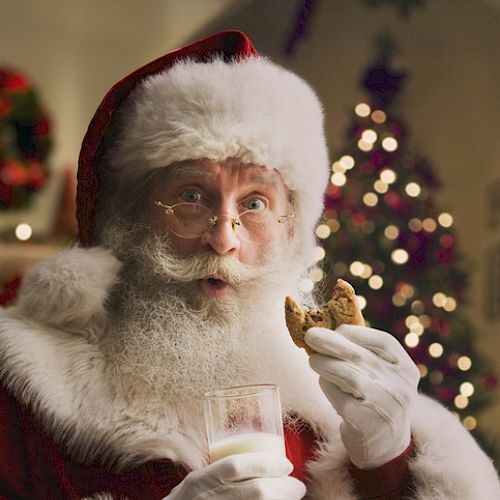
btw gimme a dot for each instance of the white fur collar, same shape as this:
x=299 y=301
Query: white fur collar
x=69 y=290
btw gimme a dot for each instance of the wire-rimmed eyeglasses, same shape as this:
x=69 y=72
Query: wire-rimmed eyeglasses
x=193 y=220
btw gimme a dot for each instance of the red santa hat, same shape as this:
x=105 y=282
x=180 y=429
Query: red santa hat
x=214 y=99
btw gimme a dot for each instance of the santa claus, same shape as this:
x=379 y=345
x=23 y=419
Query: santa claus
x=200 y=183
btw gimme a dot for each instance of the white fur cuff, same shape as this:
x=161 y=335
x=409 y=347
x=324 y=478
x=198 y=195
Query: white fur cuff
x=69 y=290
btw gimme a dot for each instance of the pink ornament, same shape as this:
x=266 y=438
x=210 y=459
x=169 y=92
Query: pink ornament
x=490 y=381
x=393 y=200
x=13 y=174
x=16 y=82
x=447 y=240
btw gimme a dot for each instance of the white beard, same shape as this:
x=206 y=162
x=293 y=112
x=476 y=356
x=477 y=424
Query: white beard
x=167 y=344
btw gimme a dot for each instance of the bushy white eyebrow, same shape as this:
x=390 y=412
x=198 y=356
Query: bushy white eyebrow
x=186 y=170
x=177 y=171
x=265 y=178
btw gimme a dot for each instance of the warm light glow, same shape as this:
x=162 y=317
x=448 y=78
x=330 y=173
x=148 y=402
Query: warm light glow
x=319 y=254
x=406 y=290
x=370 y=199
x=369 y=135
x=467 y=389
x=388 y=176
x=361 y=301
x=380 y=186
x=464 y=363
x=339 y=268
x=316 y=274
x=439 y=299
x=362 y=109
x=411 y=320
x=470 y=423
x=436 y=377
x=333 y=224
x=430 y=225
x=400 y=256
x=417 y=329
x=415 y=225
x=423 y=370
x=23 y=232
x=445 y=219
x=356 y=268
x=390 y=144
x=450 y=304
x=375 y=282
x=461 y=402
x=417 y=307
x=306 y=285
x=338 y=179
x=347 y=162
x=436 y=350
x=391 y=232
x=338 y=167
x=398 y=300
x=323 y=231
x=413 y=189
x=411 y=340
x=367 y=271
x=365 y=146
x=425 y=320
x=378 y=116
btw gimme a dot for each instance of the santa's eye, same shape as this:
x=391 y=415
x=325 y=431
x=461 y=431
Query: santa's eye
x=190 y=196
x=255 y=204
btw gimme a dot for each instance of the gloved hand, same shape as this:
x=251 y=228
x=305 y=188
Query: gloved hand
x=248 y=476
x=372 y=383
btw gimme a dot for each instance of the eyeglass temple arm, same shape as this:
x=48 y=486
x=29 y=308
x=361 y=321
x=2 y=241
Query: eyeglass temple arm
x=168 y=208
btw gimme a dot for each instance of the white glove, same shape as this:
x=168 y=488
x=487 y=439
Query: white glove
x=372 y=383
x=247 y=476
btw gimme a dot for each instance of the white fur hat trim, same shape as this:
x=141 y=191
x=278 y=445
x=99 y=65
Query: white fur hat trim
x=250 y=109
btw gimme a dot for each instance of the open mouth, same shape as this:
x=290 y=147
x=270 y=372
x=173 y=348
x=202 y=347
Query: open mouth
x=213 y=286
x=214 y=281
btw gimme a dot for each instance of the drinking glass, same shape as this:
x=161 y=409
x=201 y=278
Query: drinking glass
x=244 y=419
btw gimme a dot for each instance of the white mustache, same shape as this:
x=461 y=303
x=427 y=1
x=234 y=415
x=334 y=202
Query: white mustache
x=203 y=265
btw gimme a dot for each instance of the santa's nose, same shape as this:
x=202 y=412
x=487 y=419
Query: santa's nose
x=223 y=236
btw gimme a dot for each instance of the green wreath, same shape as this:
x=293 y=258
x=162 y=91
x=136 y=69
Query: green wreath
x=24 y=140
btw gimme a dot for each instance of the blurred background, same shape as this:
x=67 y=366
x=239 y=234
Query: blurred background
x=59 y=58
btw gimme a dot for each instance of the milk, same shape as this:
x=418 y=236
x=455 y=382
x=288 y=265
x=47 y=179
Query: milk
x=247 y=442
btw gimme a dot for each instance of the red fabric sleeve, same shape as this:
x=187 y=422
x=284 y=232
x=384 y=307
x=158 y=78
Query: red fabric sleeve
x=300 y=449
x=387 y=482
x=13 y=473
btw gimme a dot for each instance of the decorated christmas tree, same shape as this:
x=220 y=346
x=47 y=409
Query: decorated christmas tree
x=384 y=232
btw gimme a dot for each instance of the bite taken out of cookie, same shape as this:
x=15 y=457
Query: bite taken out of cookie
x=342 y=308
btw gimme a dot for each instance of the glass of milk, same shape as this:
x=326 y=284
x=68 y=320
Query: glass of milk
x=244 y=419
